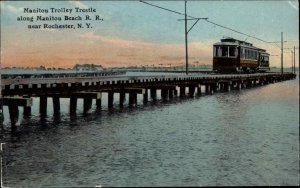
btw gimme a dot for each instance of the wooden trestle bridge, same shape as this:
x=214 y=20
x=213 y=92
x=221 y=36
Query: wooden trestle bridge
x=18 y=92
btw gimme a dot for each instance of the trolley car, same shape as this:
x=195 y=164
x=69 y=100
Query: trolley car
x=232 y=55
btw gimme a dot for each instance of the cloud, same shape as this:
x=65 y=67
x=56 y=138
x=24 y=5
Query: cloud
x=116 y=41
x=78 y=4
x=141 y=52
x=103 y=50
x=13 y=9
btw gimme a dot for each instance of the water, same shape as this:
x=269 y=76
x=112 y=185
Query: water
x=247 y=137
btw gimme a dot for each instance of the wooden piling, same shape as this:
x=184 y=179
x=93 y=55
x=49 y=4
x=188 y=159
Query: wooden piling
x=14 y=116
x=228 y=87
x=153 y=94
x=13 y=103
x=164 y=94
x=56 y=105
x=1 y=113
x=212 y=88
x=191 y=91
x=182 y=91
x=218 y=87
x=223 y=87
x=132 y=99
x=26 y=111
x=73 y=104
x=98 y=104
x=145 y=96
x=87 y=104
x=43 y=106
x=171 y=93
x=110 y=99
x=199 y=90
x=239 y=86
x=87 y=100
x=175 y=92
x=207 y=88
x=1 y=120
x=122 y=98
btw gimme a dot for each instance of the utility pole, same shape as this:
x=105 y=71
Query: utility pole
x=186 y=29
x=292 y=53
x=186 y=42
x=294 y=61
x=281 y=52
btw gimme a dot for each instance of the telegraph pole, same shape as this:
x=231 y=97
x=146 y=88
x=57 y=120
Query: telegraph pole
x=186 y=29
x=186 y=42
x=294 y=61
x=281 y=52
x=292 y=53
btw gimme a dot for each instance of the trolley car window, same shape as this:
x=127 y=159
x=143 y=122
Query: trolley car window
x=224 y=51
x=242 y=53
x=217 y=51
x=232 y=51
x=250 y=54
x=266 y=58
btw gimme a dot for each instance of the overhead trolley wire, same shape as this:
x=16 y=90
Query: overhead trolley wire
x=236 y=31
x=161 y=7
x=165 y=8
x=211 y=22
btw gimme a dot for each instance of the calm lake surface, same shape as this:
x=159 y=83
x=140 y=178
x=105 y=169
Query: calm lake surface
x=247 y=137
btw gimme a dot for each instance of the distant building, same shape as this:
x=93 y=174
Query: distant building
x=41 y=68
x=87 y=67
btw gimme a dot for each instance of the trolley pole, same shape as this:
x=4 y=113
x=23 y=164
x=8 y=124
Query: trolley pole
x=281 y=52
x=186 y=41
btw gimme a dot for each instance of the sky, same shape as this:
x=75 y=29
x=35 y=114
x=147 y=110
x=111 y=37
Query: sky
x=133 y=33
